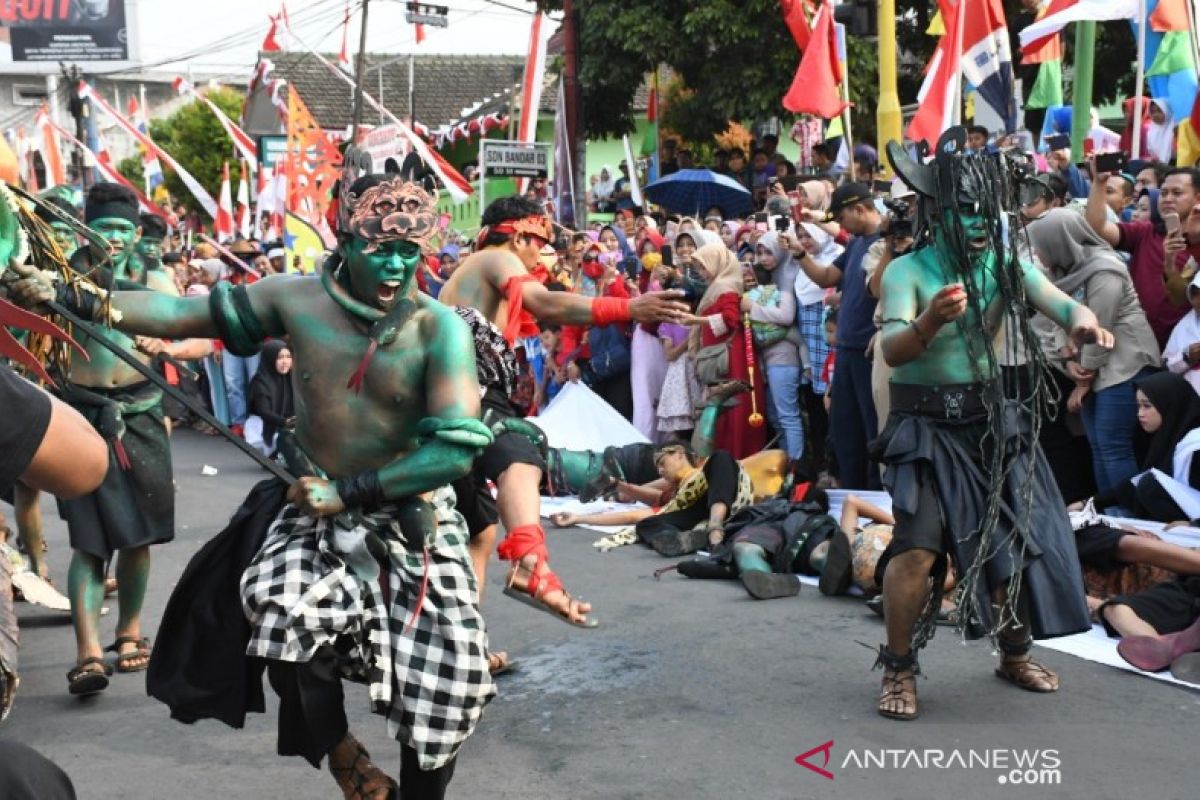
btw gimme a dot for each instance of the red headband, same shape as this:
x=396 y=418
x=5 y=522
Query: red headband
x=537 y=225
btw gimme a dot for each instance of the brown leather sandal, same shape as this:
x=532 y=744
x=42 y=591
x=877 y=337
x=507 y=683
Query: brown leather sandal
x=1027 y=674
x=89 y=676
x=355 y=781
x=897 y=688
x=141 y=653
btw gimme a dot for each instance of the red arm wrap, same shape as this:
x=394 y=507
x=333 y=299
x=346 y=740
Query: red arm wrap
x=607 y=310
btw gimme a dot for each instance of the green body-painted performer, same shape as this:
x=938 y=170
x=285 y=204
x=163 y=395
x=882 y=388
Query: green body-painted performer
x=966 y=476
x=495 y=292
x=149 y=249
x=387 y=408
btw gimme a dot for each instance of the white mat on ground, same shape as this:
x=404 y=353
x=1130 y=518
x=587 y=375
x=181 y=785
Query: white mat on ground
x=579 y=419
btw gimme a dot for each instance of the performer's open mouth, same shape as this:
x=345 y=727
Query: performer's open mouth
x=387 y=291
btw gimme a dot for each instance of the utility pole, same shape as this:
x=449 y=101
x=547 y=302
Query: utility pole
x=360 y=70
x=79 y=110
x=888 y=116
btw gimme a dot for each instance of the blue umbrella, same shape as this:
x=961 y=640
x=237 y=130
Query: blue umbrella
x=694 y=191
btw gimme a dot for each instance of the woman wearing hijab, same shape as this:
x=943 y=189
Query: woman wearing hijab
x=718 y=322
x=648 y=362
x=1126 y=144
x=1160 y=134
x=778 y=338
x=1084 y=267
x=1146 y=209
x=814 y=350
x=1168 y=490
x=271 y=404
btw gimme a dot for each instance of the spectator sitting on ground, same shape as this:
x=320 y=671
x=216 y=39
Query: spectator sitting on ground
x=272 y=408
x=1182 y=353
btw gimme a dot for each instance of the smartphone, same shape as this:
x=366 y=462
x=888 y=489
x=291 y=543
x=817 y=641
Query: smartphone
x=1111 y=162
x=668 y=256
x=782 y=223
x=1171 y=220
x=1058 y=141
x=790 y=182
x=760 y=216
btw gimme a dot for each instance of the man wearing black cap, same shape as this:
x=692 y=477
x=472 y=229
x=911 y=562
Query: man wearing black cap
x=148 y=251
x=853 y=421
x=1040 y=194
x=64 y=234
x=135 y=505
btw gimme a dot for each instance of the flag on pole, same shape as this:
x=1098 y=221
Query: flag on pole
x=46 y=142
x=940 y=91
x=241 y=140
x=635 y=191
x=531 y=84
x=270 y=43
x=241 y=216
x=564 y=196
x=1061 y=12
x=1170 y=61
x=103 y=163
x=1170 y=15
x=987 y=58
x=224 y=221
x=796 y=14
x=151 y=168
x=816 y=87
x=344 y=53
x=206 y=200
x=418 y=32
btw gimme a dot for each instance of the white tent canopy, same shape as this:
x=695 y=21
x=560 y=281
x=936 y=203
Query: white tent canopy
x=579 y=419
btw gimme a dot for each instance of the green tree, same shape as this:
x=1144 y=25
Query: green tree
x=194 y=137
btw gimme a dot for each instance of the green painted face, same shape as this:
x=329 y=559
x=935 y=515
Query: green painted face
x=384 y=275
x=64 y=237
x=121 y=235
x=150 y=250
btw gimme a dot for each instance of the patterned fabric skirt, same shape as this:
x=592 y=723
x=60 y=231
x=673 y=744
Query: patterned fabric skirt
x=680 y=395
x=426 y=666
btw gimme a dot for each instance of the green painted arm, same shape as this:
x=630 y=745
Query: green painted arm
x=1050 y=300
x=168 y=317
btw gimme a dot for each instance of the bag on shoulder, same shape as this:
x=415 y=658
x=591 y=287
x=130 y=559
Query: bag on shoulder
x=712 y=363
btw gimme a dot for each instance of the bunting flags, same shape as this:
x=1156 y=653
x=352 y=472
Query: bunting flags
x=241 y=140
x=151 y=168
x=47 y=143
x=241 y=216
x=815 y=89
x=205 y=199
x=344 y=53
x=312 y=165
x=103 y=164
x=796 y=14
x=1047 y=90
x=224 y=221
x=943 y=82
x=271 y=44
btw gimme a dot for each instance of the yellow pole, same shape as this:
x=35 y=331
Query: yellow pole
x=888 y=117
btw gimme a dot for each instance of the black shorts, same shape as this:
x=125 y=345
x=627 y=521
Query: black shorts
x=475 y=501
x=1167 y=607
x=1097 y=546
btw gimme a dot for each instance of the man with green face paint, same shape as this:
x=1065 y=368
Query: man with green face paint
x=64 y=234
x=967 y=479
x=148 y=251
x=365 y=571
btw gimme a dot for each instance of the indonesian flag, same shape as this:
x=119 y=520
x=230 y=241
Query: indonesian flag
x=241 y=140
x=224 y=221
x=344 y=53
x=270 y=43
x=102 y=162
x=242 y=215
x=151 y=169
x=815 y=89
x=796 y=14
x=940 y=91
x=1061 y=12
x=46 y=141
x=531 y=89
x=418 y=32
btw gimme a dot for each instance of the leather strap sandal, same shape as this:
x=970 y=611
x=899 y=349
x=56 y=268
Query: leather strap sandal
x=89 y=676
x=896 y=688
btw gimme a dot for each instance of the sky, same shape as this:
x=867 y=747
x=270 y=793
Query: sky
x=227 y=33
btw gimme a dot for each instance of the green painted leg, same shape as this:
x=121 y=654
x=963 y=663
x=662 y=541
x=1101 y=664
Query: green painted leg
x=576 y=467
x=750 y=558
x=133 y=574
x=29 y=524
x=85 y=587
x=705 y=433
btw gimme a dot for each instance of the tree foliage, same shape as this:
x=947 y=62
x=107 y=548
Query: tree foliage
x=194 y=137
x=735 y=60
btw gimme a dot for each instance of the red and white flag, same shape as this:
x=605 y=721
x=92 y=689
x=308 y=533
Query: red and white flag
x=943 y=80
x=224 y=220
x=242 y=213
x=531 y=89
x=45 y=141
x=206 y=200
x=241 y=140
x=103 y=163
x=344 y=53
x=816 y=87
x=1061 y=12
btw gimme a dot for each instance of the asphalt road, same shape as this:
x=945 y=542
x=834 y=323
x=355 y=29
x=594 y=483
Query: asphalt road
x=689 y=689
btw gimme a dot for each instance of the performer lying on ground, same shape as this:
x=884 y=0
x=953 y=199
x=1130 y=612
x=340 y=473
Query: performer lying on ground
x=964 y=469
x=495 y=292
x=365 y=572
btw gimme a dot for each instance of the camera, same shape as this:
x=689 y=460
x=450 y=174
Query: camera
x=899 y=225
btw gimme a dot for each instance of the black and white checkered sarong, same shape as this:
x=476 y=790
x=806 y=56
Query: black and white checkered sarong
x=431 y=682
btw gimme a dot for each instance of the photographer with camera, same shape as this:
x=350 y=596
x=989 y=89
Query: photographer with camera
x=898 y=229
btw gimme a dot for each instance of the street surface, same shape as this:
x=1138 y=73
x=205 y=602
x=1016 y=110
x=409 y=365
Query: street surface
x=689 y=689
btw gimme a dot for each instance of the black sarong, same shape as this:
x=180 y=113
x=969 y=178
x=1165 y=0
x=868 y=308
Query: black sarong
x=135 y=506
x=935 y=439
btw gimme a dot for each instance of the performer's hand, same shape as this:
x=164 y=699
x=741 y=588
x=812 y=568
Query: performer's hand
x=149 y=345
x=564 y=519
x=664 y=306
x=316 y=497
x=28 y=286
x=949 y=303
x=1091 y=333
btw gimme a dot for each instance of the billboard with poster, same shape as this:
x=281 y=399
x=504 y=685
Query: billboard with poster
x=72 y=31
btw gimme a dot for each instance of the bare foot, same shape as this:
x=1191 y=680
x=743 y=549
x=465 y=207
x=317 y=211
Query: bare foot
x=549 y=591
x=356 y=776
